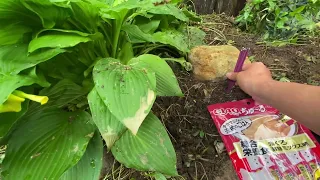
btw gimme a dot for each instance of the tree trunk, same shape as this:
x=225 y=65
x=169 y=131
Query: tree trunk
x=229 y=7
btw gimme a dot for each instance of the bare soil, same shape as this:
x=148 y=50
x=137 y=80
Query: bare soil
x=187 y=120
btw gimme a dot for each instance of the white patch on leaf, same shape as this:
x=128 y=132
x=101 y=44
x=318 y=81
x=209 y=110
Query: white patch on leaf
x=90 y=135
x=133 y=123
x=75 y=148
x=110 y=136
x=35 y=155
x=144 y=159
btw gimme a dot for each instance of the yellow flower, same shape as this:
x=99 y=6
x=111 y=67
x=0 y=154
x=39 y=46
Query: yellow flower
x=318 y=24
x=40 y=99
x=13 y=104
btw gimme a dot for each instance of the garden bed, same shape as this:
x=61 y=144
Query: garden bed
x=186 y=118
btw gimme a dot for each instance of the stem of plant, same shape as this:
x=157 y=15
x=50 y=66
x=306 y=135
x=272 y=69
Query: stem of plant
x=116 y=30
x=90 y=68
x=103 y=49
x=75 y=24
x=106 y=35
x=151 y=48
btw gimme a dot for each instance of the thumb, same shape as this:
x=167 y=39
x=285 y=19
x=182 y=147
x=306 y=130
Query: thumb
x=232 y=76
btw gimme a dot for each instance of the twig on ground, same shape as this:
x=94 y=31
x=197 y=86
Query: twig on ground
x=198 y=117
x=212 y=135
x=196 y=170
x=168 y=131
x=159 y=106
x=204 y=171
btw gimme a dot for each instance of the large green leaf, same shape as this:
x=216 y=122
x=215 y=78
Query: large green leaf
x=12 y=11
x=173 y=38
x=86 y=15
x=193 y=36
x=47 y=144
x=127 y=90
x=126 y=53
x=65 y=66
x=14 y=58
x=119 y=11
x=136 y=35
x=109 y=126
x=167 y=84
x=9 y=83
x=145 y=7
x=58 y=39
x=166 y=9
x=149 y=150
x=49 y=13
x=147 y=25
x=191 y=15
x=124 y=4
x=8 y=119
x=62 y=93
x=90 y=165
x=12 y=33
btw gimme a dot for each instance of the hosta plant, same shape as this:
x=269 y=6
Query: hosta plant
x=76 y=72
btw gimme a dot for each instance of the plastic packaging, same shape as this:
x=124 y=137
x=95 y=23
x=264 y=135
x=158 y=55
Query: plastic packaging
x=264 y=144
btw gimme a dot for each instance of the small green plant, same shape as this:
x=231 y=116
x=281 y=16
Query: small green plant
x=72 y=70
x=281 y=21
x=252 y=58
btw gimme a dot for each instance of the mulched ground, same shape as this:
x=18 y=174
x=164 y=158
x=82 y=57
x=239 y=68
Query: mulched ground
x=187 y=119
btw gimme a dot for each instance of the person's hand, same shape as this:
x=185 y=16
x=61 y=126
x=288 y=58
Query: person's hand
x=253 y=77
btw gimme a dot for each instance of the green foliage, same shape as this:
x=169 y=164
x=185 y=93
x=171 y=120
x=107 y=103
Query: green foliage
x=91 y=158
x=285 y=20
x=51 y=140
x=90 y=58
x=155 y=149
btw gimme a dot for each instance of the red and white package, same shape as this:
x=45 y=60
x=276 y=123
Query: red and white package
x=264 y=144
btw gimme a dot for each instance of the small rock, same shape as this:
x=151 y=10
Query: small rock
x=220 y=148
x=212 y=62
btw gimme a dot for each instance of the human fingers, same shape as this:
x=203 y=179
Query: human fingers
x=246 y=66
x=232 y=76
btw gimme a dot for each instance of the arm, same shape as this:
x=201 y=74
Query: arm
x=299 y=101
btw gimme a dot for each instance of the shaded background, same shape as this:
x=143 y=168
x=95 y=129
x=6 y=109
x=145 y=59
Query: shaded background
x=229 y=7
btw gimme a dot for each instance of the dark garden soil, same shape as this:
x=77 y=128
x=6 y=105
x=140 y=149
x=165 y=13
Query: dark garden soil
x=186 y=118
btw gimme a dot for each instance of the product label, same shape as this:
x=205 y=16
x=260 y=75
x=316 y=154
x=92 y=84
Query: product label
x=245 y=148
x=265 y=144
x=235 y=125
